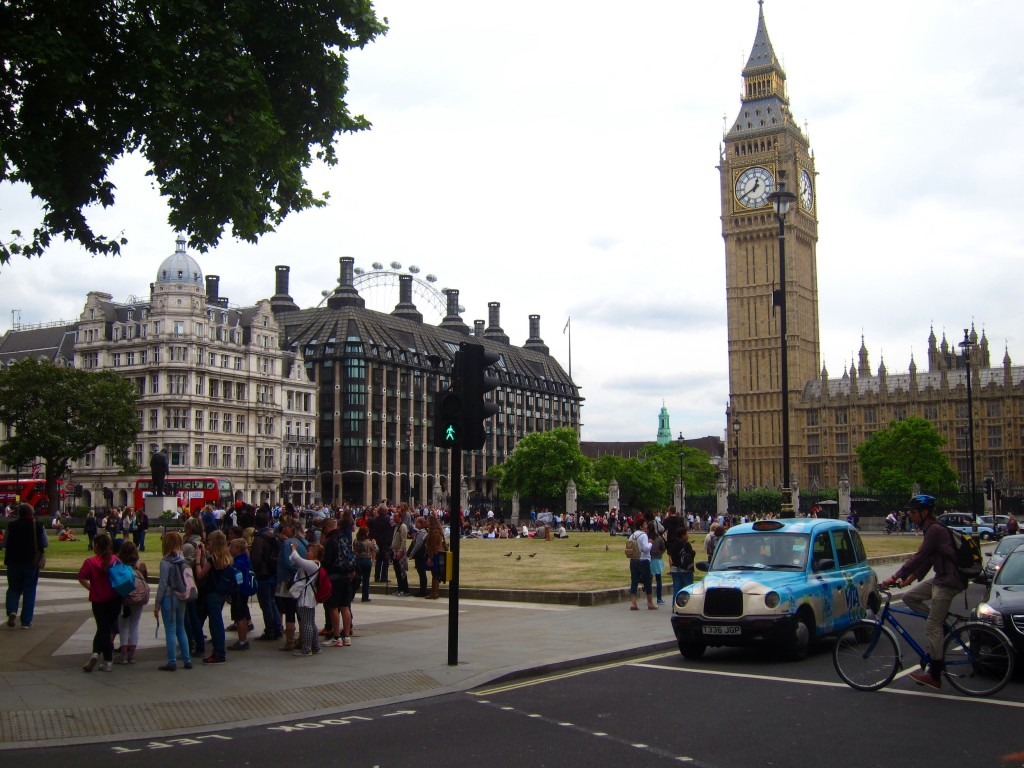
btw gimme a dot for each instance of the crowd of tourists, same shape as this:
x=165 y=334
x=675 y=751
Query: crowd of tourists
x=305 y=571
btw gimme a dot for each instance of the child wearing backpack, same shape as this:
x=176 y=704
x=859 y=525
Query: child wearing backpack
x=304 y=591
x=131 y=608
x=246 y=580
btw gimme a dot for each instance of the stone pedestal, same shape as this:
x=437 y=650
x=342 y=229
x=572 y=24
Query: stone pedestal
x=156 y=506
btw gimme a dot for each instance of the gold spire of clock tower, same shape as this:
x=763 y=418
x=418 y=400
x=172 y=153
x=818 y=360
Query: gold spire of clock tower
x=763 y=148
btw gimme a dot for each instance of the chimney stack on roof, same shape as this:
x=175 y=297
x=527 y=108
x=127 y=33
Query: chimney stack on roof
x=405 y=307
x=281 y=301
x=346 y=295
x=535 y=342
x=494 y=323
x=452 y=318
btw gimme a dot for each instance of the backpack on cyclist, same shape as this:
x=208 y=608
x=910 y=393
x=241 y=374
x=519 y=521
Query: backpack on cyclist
x=968 y=555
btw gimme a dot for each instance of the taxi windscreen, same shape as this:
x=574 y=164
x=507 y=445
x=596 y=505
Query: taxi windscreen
x=761 y=551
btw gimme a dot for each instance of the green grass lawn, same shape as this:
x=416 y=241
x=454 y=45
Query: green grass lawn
x=598 y=562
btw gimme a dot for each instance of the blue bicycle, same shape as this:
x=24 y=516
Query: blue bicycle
x=979 y=658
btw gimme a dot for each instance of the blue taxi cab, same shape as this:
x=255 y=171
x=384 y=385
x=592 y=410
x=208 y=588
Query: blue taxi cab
x=781 y=582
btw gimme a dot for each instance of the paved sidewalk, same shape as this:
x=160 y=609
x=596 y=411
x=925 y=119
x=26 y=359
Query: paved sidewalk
x=399 y=653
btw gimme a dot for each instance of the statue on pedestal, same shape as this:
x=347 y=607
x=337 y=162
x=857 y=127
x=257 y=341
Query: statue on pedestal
x=158 y=465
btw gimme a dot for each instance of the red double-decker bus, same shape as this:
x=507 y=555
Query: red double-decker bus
x=193 y=492
x=32 y=492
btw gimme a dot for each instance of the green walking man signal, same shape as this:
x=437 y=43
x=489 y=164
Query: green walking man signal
x=461 y=410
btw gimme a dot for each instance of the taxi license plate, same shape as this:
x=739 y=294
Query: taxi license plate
x=728 y=629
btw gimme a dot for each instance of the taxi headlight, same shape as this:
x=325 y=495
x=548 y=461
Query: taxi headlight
x=682 y=598
x=772 y=600
x=990 y=615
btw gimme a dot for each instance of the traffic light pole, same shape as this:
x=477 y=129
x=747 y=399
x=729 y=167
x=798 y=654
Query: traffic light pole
x=455 y=511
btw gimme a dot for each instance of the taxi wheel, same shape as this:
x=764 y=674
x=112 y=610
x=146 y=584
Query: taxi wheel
x=692 y=650
x=800 y=641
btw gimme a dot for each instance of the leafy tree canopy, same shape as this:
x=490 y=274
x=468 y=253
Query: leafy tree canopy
x=60 y=414
x=543 y=463
x=904 y=453
x=648 y=483
x=229 y=101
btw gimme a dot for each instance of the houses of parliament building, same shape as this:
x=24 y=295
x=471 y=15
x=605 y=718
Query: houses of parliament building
x=829 y=417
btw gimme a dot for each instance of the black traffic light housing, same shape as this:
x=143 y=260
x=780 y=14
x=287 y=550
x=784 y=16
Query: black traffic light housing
x=448 y=410
x=475 y=384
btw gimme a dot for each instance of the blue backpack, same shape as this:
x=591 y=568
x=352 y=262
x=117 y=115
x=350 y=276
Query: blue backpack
x=247 y=586
x=122 y=578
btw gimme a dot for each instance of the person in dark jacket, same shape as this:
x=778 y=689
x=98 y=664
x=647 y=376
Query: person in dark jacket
x=932 y=597
x=382 y=533
x=23 y=547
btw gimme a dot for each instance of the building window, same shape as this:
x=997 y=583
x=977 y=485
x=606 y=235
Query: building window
x=225 y=456
x=199 y=421
x=227 y=422
x=269 y=455
x=870 y=416
x=239 y=457
x=961 y=438
x=239 y=425
x=176 y=383
x=178 y=454
x=154 y=419
x=200 y=384
x=129 y=358
x=812 y=418
x=115 y=359
x=961 y=410
x=813 y=445
x=994 y=409
x=931 y=412
x=154 y=384
x=198 y=462
x=995 y=437
x=841 y=417
x=213 y=456
x=179 y=354
x=842 y=443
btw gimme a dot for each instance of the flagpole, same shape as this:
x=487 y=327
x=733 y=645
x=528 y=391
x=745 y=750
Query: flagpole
x=568 y=328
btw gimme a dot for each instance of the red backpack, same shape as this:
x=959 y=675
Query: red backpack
x=323 y=585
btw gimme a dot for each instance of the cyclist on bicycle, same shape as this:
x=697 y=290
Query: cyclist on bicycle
x=932 y=597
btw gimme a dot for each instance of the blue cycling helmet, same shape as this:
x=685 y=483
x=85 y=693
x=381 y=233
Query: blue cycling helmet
x=921 y=501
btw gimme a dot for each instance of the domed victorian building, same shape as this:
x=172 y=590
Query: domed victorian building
x=215 y=388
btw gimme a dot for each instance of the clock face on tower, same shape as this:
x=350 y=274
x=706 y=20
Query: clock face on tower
x=806 y=191
x=753 y=187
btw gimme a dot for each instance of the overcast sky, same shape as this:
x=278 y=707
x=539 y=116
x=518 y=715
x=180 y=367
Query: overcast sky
x=559 y=157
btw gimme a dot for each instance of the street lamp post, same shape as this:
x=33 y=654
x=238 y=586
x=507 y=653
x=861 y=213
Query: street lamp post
x=781 y=200
x=680 y=440
x=736 y=434
x=967 y=345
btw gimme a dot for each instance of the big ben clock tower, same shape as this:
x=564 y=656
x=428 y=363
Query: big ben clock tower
x=763 y=150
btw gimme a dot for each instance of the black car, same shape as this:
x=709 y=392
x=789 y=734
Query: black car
x=1004 y=604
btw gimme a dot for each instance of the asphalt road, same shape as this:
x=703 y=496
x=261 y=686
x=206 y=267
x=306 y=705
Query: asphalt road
x=732 y=709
